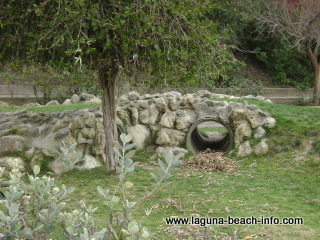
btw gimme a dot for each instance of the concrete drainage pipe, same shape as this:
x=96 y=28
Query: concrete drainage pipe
x=209 y=133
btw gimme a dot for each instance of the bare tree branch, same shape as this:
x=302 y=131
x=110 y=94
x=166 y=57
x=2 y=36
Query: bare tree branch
x=294 y=21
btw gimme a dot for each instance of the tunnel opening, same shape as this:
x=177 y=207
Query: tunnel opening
x=211 y=134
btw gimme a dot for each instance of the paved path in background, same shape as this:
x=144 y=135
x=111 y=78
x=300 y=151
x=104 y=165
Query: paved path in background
x=277 y=95
x=7 y=91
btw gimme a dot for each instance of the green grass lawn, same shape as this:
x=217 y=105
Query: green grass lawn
x=213 y=129
x=264 y=186
x=276 y=185
x=285 y=183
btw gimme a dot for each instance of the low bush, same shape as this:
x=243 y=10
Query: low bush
x=34 y=207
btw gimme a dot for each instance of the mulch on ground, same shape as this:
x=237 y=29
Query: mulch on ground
x=210 y=161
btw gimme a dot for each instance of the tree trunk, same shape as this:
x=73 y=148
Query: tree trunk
x=316 y=92
x=107 y=81
x=316 y=68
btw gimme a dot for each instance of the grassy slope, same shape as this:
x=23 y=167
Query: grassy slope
x=272 y=188
x=275 y=184
x=295 y=124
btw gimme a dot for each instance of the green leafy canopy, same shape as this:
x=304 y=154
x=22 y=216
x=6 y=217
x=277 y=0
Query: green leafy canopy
x=171 y=39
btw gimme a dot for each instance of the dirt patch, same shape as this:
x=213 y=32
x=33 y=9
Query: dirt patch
x=301 y=155
x=210 y=161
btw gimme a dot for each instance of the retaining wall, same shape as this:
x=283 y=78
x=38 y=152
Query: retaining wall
x=23 y=94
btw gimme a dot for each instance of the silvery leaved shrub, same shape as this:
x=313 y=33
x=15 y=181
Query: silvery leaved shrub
x=70 y=157
x=34 y=207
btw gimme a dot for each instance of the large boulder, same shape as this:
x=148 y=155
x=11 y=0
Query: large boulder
x=245 y=149
x=148 y=114
x=184 y=119
x=75 y=98
x=173 y=94
x=86 y=96
x=90 y=162
x=153 y=114
x=205 y=111
x=76 y=123
x=174 y=103
x=67 y=101
x=94 y=100
x=261 y=148
x=256 y=118
x=63 y=132
x=13 y=143
x=161 y=104
x=242 y=126
x=134 y=116
x=269 y=122
x=88 y=133
x=143 y=104
x=259 y=133
x=238 y=115
x=133 y=95
x=188 y=101
x=123 y=98
x=170 y=137
x=242 y=131
x=30 y=152
x=90 y=119
x=124 y=116
x=167 y=119
x=144 y=116
x=83 y=140
x=52 y=103
x=204 y=93
x=97 y=149
x=58 y=166
x=10 y=163
x=32 y=105
x=140 y=135
x=163 y=151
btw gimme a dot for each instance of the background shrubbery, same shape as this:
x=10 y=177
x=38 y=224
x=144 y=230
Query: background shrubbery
x=60 y=80
x=286 y=66
x=237 y=37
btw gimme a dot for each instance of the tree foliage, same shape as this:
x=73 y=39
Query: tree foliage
x=296 y=22
x=173 y=40
x=285 y=64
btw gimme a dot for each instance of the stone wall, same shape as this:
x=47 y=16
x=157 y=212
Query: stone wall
x=161 y=120
x=41 y=134
x=165 y=119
